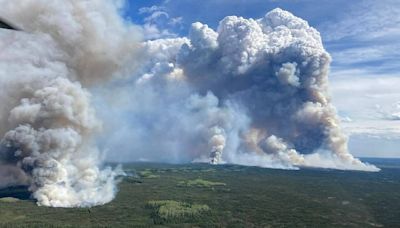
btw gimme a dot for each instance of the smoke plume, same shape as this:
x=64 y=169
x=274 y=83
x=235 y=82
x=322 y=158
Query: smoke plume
x=46 y=118
x=253 y=92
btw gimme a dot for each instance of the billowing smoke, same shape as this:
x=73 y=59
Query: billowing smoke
x=254 y=92
x=46 y=118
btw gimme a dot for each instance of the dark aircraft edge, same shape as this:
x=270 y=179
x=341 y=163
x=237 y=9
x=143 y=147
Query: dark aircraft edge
x=6 y=25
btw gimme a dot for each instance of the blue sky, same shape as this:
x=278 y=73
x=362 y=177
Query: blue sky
x=361 y=35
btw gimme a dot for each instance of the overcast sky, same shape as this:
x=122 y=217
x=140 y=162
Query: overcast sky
x=361 y=36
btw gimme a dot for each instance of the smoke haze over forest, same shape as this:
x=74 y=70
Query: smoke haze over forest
x=81 y=85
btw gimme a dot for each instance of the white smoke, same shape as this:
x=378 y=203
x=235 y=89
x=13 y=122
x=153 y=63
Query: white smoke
x=47 y=119
x=254 y=92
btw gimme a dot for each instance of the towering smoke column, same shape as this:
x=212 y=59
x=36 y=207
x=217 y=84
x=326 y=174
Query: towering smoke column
x=254 y=92
x=46 y=116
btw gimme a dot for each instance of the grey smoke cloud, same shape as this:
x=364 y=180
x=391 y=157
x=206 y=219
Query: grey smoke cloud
x=47 y=120
x=253 y=92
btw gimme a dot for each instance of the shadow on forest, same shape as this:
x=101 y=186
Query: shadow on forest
x=19 y=192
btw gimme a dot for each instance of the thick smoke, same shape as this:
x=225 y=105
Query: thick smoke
x=254 y=92
x=46 y=116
